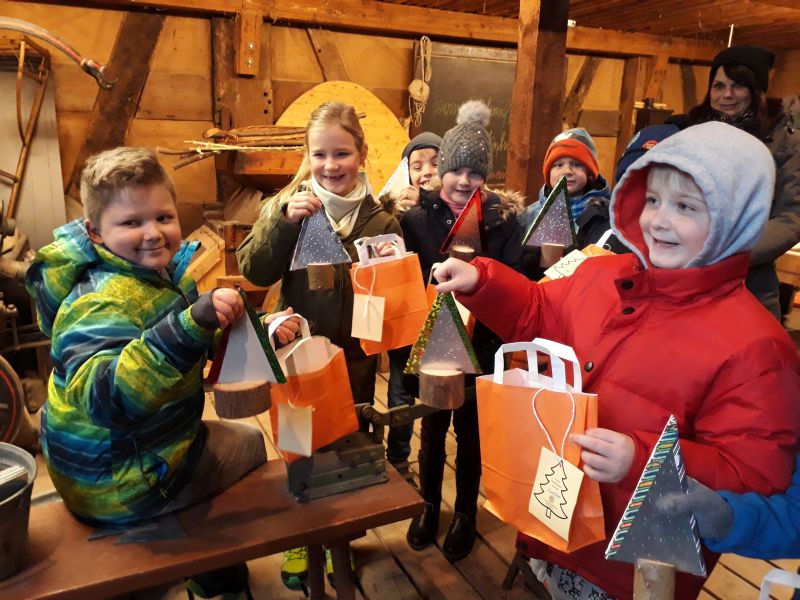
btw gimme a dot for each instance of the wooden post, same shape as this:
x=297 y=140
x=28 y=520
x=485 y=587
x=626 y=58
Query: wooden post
x=248 y=42
x=538 y=94
x=656 y=72
x=689 y=87
x=653 y=580
x=114 y=109
x=627 y=98
x=328 y=56
x=580 y=88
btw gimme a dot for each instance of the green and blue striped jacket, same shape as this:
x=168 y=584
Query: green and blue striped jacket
x=121 y=429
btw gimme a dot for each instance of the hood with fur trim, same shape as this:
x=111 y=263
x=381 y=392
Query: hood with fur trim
x=734 y=171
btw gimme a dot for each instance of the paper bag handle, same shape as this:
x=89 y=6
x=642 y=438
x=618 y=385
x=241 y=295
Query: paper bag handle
x=305 y=332
x=362 y=247
x=557 y=353
x=779 y=577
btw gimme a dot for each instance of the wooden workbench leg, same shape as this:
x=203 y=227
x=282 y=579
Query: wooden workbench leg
x=345 y=589
x=316 y=572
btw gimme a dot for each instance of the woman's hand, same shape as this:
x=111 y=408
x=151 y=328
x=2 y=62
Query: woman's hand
x=408 y=198
x=287 y=330
x=455 y=275
x=228 y=305
x=607 y=455
x=302 y=205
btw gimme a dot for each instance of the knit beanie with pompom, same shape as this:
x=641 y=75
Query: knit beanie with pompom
x=468 y=144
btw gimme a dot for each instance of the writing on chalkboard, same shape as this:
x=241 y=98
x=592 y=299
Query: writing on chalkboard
x=461 y=73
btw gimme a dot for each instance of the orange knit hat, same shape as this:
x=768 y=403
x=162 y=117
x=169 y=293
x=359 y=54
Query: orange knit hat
x=573 y=143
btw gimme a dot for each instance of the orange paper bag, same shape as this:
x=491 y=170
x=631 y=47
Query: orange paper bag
x=513 y=435
x=398 y=280
x=316 y=377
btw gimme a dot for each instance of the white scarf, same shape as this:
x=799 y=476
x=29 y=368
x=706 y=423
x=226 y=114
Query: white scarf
x=342 y=211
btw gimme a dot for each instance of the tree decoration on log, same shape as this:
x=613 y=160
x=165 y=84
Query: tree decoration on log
x=244 y=366
x=648 y=538
x=553 y=229
x=442 y=355
x=467 y=238
x=318 y=249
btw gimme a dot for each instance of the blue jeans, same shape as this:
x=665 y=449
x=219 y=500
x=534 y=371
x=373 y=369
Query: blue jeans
x=398 y=444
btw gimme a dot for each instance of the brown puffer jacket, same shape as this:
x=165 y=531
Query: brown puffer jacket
x=265 y=256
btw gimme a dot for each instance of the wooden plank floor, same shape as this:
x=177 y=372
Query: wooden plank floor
x=388 y=569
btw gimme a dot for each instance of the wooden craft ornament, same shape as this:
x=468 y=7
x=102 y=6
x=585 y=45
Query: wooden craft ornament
x=653 y=580
x=462 y=252
x=441 y=388
x=551 y=254
x=241 y=399
x=320 y=276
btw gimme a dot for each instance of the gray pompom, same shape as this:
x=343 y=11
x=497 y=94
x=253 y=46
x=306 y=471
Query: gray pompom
x=474 y=111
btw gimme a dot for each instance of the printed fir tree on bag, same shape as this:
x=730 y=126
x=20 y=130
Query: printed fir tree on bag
x=442 y=355
x=318 y=247
x=244 y=365
x=467 y=238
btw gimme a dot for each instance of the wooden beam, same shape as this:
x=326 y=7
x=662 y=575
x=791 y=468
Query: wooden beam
x=239 y=101
x=580 y=87
x=248 y=41
x=328 y=57
x=114 y=109
x=538 y=94
x=654 y=79
x=627 y=98
x=395 y=19
x=688 y=86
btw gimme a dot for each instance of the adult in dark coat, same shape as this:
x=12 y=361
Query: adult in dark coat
x=737 y=94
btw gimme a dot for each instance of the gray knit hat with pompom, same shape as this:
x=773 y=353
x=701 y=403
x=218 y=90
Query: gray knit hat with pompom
x=468 y=144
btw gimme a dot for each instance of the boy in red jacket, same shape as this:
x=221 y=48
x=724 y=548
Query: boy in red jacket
x=668 y=329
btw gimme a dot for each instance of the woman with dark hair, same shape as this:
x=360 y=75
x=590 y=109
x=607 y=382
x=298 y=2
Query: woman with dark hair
x=737 y=94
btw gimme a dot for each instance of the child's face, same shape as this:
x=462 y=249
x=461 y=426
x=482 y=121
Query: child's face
x=422 y=166
x=335 y=159
x=140 y=225
x=575 y=171
x=675 y=224
x=459 y=185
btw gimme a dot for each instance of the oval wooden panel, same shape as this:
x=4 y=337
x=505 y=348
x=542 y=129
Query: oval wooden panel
x=385 y=136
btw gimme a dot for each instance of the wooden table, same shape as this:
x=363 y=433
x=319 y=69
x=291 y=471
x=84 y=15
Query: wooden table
x=255 y=517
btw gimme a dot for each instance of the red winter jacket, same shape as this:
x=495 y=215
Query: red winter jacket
x=653 y=342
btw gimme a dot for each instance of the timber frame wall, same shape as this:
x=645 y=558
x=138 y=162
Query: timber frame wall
x=195 y=64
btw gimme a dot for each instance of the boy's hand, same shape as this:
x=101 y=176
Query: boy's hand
x=385 y=249
x=227 y=305
x=713 y=514
x=607 y=455
x=287 y=330
x=409 y=197
x=302 y=205
x=455 y=275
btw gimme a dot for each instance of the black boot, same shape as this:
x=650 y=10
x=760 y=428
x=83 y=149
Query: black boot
x=460 y=537
x=422 y=531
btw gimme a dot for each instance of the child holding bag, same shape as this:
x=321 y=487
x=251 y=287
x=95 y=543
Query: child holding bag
x=464 y=163
x=668 y=329
x=328 y=178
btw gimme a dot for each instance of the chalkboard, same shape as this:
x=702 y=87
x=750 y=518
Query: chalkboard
x=461 y=73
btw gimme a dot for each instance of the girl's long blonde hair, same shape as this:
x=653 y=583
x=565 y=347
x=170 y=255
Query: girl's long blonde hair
x=325 y=115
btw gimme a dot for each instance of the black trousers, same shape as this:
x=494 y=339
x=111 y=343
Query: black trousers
x=468 y=455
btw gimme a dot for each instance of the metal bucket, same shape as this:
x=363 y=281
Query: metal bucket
x=14 y=510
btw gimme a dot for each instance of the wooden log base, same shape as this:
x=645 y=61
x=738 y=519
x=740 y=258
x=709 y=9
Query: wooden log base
x=465 y=253
x=653 y=580
x=551 y=254
x=241 y=399
x=441 y=388
x=320 y=276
